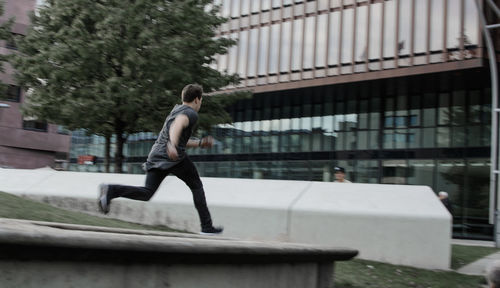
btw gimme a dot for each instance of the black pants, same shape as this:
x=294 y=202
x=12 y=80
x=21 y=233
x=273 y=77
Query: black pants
x=186 y=171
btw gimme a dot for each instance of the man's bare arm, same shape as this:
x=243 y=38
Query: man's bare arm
x=180 y=122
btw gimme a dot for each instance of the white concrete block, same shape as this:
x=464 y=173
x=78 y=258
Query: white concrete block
x=399 y=224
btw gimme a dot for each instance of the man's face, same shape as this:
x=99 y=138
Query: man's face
x=197 y=103
x=339 y=176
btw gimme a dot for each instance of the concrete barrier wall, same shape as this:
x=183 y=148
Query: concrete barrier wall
x=398 y=224
x=41 y=254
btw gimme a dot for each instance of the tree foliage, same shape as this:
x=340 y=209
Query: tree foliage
x=118 y=66
x=5 y=35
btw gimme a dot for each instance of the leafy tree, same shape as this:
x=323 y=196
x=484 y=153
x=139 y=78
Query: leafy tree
x=116 y=67
x=5 y=35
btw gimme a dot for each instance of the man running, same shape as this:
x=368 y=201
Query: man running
x=168 y=155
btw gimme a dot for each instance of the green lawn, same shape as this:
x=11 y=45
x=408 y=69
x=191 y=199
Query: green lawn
x=12 y=206
x=463 y=255
x=350 y=274
x=361 y=273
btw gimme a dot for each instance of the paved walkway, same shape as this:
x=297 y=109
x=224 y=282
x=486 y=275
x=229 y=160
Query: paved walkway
x=480 y=266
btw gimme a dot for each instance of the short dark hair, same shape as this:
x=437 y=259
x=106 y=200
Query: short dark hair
x=191 y=92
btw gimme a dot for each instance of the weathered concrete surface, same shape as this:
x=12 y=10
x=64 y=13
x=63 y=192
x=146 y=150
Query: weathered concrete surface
x=383 y=222
x=39 y=254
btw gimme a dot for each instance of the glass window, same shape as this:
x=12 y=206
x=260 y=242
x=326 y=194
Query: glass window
x=347 y=35
x=375 y=29
x=263 y=49
x=285 y=46
x=310 y=29
x=233 y=53
x=13 y=93
x=226 y=12
x=235 y=8
x=361 y=33
x=443 y=137
x=429 y=111
x=242 y=54
x=297 y=44
x=453 y=25
x=255 y=6
x=367 y=171
x=252 y=52
x=321 y=40
x=437 y=25
x=405 y=17
x=266 y=5
x=394 y=171
x=429 y=136
x=421 y=172
x=420 y=40
x=444 y=110
x=471 y=24
x=458 y=108
x=389 y=29
x=334 y=39
x=274 y=49
x=450 y=178
x=245 y=7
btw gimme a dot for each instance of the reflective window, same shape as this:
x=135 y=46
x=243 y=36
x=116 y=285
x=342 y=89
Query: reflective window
x=421 y=172
x=347 y=35
x=471 y=24
x=245 y=7
x=453 y=25
x=233 y=53
x=255 y=6
x=420 y=41
x=375 y=30
x=437 y=25
x=266 y=5
x=285 y=46
x=235 y=8
x=389 y=28
x=321 y=40
x=309 y=42
x=263 y=49
x=242 y=54
x=405 y=11
x=297 y=44
x=274 y=49
x=226 y=6
x=252 y=52
x=394 y=171
x=361 y=33
x=334 y=39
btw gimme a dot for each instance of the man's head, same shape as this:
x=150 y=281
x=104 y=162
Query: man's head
x=339 y=173
x=494 y=275
x=192 y=94
x=443 y=195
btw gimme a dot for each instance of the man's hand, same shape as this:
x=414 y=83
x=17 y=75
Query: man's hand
x=172 y=151
x=207 y=142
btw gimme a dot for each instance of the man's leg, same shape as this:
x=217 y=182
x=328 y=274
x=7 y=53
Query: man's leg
x=186 y=171
x=154 y=177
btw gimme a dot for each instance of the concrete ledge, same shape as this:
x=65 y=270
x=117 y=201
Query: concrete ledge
x=33 y=253
x=383 y=222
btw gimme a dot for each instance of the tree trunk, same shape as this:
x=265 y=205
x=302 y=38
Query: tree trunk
x=107 y=158
x=120 y=141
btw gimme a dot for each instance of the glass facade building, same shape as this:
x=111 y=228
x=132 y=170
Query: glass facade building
x=395 y=91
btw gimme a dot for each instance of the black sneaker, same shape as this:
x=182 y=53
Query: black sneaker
x=103 y=201
x=211 y=231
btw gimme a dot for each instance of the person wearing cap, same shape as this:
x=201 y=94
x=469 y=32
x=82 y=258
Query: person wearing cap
x=340 y=175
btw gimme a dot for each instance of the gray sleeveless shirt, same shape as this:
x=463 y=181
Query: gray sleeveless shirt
x=158 y=157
